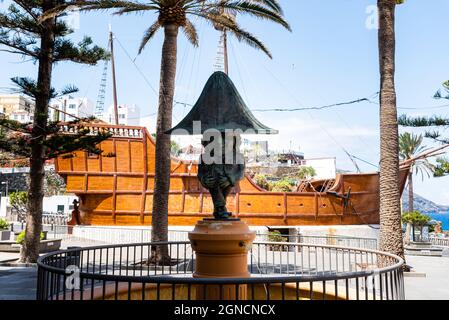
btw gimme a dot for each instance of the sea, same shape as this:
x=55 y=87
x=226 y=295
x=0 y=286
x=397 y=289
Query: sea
x=443 y=217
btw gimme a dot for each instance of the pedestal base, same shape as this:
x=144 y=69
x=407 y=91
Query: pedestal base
x=221 y=248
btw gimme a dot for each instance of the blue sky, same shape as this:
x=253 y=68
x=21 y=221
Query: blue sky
x=331 y=56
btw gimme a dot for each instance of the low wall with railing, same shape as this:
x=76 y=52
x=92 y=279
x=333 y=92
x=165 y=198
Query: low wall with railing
x=441 y=242
x=279 y=271
x=121 y=235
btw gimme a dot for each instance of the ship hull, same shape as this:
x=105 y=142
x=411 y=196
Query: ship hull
x=119 y=190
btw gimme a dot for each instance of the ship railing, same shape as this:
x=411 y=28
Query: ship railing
x=117 y=131
x=279 y=271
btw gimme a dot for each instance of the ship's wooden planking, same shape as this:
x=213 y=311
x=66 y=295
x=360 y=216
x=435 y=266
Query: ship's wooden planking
x=119 y=190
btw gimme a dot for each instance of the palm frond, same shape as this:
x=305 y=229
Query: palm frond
x=249 y=7
x=234 y=28
x=149 y=34
x=89 y=5
x=272 y=4
x=190 y=32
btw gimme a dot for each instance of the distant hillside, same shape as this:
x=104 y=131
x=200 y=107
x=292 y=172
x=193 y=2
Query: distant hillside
x=423 y=205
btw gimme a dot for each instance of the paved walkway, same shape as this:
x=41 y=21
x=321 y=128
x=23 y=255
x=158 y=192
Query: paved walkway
x=435 y=286
x=17 y=283
x=8 y=256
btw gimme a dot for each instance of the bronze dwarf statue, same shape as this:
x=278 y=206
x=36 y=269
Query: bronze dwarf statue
x=220 y=168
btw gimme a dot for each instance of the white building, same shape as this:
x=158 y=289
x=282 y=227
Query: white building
x=325 y=168
x=17 y=107
x=54 y=204
x=254 y=150
x=128 y=115
x=21 y=116
x=79 y=107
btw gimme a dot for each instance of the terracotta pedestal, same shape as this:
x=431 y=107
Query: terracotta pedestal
x=221 y=248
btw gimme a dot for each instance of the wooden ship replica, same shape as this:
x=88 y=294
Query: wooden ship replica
x=119 y=190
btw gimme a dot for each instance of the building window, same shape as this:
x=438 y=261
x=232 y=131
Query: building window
x=16 y=117
x=72 y=106
x=60 y=208
x=121 y=116
x=23 y=117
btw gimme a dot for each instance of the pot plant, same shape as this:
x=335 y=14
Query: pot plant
x=5 y=233
x=21 y=237
x=44 y=246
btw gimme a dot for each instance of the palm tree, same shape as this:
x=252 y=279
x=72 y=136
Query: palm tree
x=390 y=209
x=410 y=145
x=174 y=15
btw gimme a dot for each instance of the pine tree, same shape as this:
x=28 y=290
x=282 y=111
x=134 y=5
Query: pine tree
x=24 y=32
x=442 y=163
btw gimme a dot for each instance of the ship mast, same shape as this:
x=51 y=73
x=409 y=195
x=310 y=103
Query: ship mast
x=114 y=84
x=225 y=52
x=222 y=61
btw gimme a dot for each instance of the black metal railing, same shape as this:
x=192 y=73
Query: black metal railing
x=279 y=271
x=338 y=240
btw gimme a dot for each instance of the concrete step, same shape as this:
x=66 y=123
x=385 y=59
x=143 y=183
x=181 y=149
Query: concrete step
x=432 y=251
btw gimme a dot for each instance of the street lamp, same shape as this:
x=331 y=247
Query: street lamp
x=6 y=189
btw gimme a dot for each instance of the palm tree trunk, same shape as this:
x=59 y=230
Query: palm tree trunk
x=390 y=210
x=30 y=247
x=410 y=192
x=164 y=123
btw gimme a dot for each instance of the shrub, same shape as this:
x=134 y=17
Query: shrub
x=276 y=236
x=306 y=173
x=19 y=202
x=21 y=237
x=4 y=224
x=282 y=186
x=261 y=181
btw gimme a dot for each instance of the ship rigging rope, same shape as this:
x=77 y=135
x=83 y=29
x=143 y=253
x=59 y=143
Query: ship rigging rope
x=234 y=54
x=308 y=110
x=136 y=66
x=429 y=108
x=316 y=108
